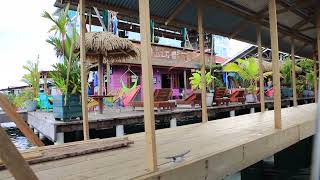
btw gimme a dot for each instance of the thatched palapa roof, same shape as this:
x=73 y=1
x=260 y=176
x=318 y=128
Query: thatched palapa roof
x=109 y=47
x=267 y=66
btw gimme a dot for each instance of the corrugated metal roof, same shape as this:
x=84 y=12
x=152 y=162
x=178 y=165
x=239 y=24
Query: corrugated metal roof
x=224 y=16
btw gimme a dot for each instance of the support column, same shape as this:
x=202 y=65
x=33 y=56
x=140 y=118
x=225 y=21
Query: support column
x=294 y=82
x=173 y=123
x=108 y=77
x=59 y=138
x=100 y=76
x=90 y=20
x=213 y=55
x=45 y=84
x=232 y=113
x=185 y=79
x=275 y=63
x=315 y=81
x=149 y=122
x=84 y=80
x=318 y=41
x=203 y=65
x=261 y=78
x=119 y=130
x=101 y=83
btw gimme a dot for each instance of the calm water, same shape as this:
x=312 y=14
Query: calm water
x=16 y=136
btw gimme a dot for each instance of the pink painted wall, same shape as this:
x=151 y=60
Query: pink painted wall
x=117 y=72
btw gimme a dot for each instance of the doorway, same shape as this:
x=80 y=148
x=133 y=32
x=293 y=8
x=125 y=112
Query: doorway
x=165 y=81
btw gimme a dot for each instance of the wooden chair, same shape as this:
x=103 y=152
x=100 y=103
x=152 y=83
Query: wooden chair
x=238 y=96
x=161 y=100
x=193 y=99
x=219 y=96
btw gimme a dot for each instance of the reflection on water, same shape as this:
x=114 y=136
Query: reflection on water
x=16 y=136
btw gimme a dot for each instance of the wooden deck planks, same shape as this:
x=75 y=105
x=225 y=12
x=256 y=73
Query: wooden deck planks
x=216 y=138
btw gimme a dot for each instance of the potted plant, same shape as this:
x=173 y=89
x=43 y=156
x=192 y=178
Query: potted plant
x=32 y=78
x=307 y=77
x=248 y=70
x=66 y=75
x=195 y=81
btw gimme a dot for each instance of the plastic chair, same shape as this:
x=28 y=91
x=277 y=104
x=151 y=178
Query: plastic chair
x=44 y=102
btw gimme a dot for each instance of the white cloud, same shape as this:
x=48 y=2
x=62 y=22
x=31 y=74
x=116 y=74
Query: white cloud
x=22 y=37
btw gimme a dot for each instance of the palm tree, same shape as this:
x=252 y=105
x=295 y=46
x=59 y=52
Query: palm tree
x=59 y=27
x=33 y=77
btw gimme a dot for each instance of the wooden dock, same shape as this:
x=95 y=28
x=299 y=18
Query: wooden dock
x=45 y=123
x=217 y=149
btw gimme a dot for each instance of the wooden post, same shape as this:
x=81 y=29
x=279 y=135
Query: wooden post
x=101 y=83
x=294 y=82
x=185 y=79
x=275 y=63
x=261 y=78
x=315 y=81
x=108 y=76
x=84 y=80
x=318 y=41
x=13 y=160
x=149 y=122
x=213 y=55
x=203 y=65
x=90 y=20
x=45 y=83
x=20 y=123
x=101 y=78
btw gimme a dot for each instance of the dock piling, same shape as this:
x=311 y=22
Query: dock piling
x=173 y=123
x=59 y=138
x=119 y=130
x=232 y=113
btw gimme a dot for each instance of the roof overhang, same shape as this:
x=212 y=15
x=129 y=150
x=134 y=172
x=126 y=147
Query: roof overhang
x=237 y=19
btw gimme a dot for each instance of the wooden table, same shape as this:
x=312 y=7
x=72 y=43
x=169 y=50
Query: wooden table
x=99 y=98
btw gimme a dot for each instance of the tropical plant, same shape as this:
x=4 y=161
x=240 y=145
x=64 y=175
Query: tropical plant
x=307 y=67
x=19 y=100
x=59 y=28
x=32 y=78
x=248 y=70
x=286 y=71
x=66 y=75
x=195 y=80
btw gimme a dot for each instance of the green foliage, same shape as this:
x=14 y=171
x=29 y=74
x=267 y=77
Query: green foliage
x=248 y=70
x=216 y=67
x=19 y=100
x=66 y=75
x=218 y=82
x=286 y=71
x=33 y=77
x=307 y=67
x=195 y=80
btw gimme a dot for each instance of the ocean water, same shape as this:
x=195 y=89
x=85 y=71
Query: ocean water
x=16 y=136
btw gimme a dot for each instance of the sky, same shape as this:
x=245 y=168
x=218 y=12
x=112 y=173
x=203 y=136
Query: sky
x=23 y=34
x=22 y=37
